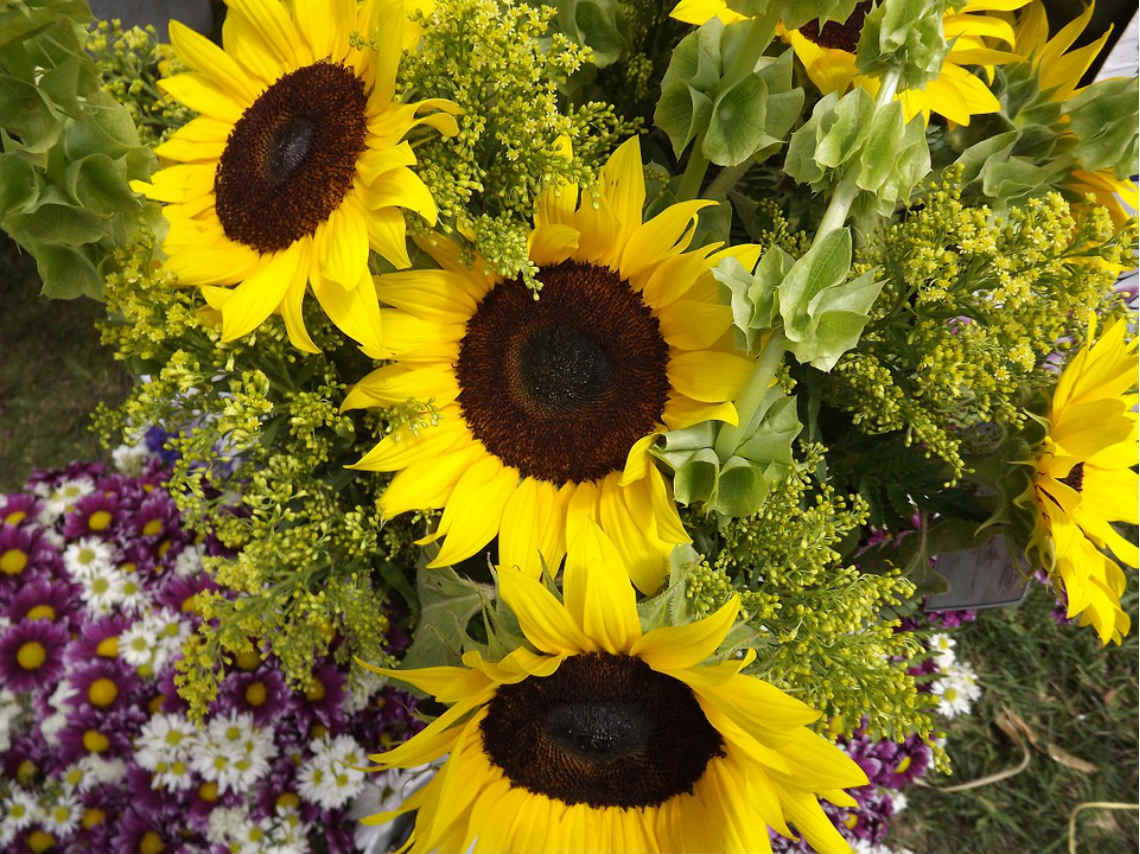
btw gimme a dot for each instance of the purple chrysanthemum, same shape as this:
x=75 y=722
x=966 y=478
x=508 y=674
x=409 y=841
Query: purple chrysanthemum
x=43 y=598
x=21 y=549
x=98 y=638
x=156 y=517
x=19 y=508
x=31 y=654
x=323 y=699
x=96 y=515
x=107 y=685
x=261 y=693
x=176 y=593
x=29 y=759
x=98 y=732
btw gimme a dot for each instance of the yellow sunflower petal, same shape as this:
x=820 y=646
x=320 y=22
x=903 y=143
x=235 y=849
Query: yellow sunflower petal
x=275 y=30
x=434 y=295
x=342 y=241
x=597 y=592
x=661 y=237
x=401 y=187
x=809 y=818
x=708 y=376
x=630 y=528
x=427 y=483
x=622 y=185
x=199 y=139
x=694 y=325
x=402 y=448
x=682 y=412
x=414 y=340
x=474 y=510
x=543 y=619
x=446 y=684
x=398 y=383
x=202 y=95
x=242 y=40
x=701 y=11
x=671 y=648
x=533 y=533
x=387 y=234
x=258 y=296
x=214 y=64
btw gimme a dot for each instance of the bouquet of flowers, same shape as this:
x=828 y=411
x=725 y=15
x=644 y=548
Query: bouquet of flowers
x=647 y=364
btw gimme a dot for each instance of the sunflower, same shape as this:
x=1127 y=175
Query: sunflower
x=295 y=167
x=608 y=739
x=828 y=55
x=547 y=407
x=1084 y=480
x=1058 y=74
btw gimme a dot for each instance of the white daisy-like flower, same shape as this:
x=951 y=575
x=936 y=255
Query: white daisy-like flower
x=53 y=538
x=104 y=590
x=61 y=698
x=898 y=801
x=383 y=792
x=941 y=649
x=98 y=770
x=130 y=459
x=21 y=808
x=172 y=632
x=176 y=775
x=165 y=738
x=62 y=817
x=61 y=499
x=957 y=690
x=223 y=755
x=10 y=709
x=361 y=691
x=189 y=561
x=135 y=599
x=137 y=643
x=226 y=824
x=255 y=837
x=88 y=557
x=328 y=778
x=50 y=727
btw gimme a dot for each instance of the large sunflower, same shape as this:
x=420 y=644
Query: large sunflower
x=295 y=168
x=547 y=407
x=608 y=739
x=1084 y=480
x=1058 y=74
x=828 y=55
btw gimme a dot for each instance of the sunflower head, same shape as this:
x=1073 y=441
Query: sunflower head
x=829 y=51
x=1084 y=480
x=599 y=736
x=548 y=403
x=296 y=167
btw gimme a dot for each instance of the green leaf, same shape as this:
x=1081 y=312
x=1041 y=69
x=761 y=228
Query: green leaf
x=27 y=120
x=100 y=184
x=59 y=225
x=905 y=35
x=695 y=480
x=66 y=272
x=447 y=604
x=19 y=185
x=737 y=124
x=1104 y=118
x=593 y=23
x=106 y=128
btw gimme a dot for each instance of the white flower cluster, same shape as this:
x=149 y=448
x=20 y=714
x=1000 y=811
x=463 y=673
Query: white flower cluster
x=62 y=498
x=332 y=777
x=957 y=688
x=234 y=829
x=150 y=643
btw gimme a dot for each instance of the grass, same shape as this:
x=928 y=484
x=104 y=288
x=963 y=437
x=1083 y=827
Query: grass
x=1071 y=694
x=53 y=371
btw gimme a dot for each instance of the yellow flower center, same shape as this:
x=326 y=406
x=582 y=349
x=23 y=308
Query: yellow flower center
x=163 y=548
x=256 y=694
x=60 y=814
x=15 y=517
x=288 y=800
x=41 y=612
x=151 y=843
x=155 y=704
x=13 y=561
x=31 y=655
x=152 y=528
x=95 y=742
x=99 y=520
x=851 y=820
x=248 y=660
x=26 y=772
x=108 y=647
x=318 y=731
x=208 y=792
x=40 y=841
x=903 y=765
x=102 y=692
x=93 y=816
x=129 y=567
x=316 y=691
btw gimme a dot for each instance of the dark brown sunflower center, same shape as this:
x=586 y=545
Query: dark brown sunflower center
x=562 y=387
x=605 y=730
x=291 y=157
x=833 y=34
x=1076 y=477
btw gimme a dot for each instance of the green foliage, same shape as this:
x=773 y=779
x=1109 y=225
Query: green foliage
x=822 y=633
x=849 y=138
x=795 y=13
x=904 y=36
x=69 y=149
x=821 y=313
x=720 y=90
x=972 y=304
x=489 y=57
x=1103 y=118
x=263 y=449
x=129 y=63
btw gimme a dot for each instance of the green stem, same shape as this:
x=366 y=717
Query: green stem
x=752 y=394
x=720 y=185
x=844 y=196
x=694 y=174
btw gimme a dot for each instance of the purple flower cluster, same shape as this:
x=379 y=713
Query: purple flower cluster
x=98 y=580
